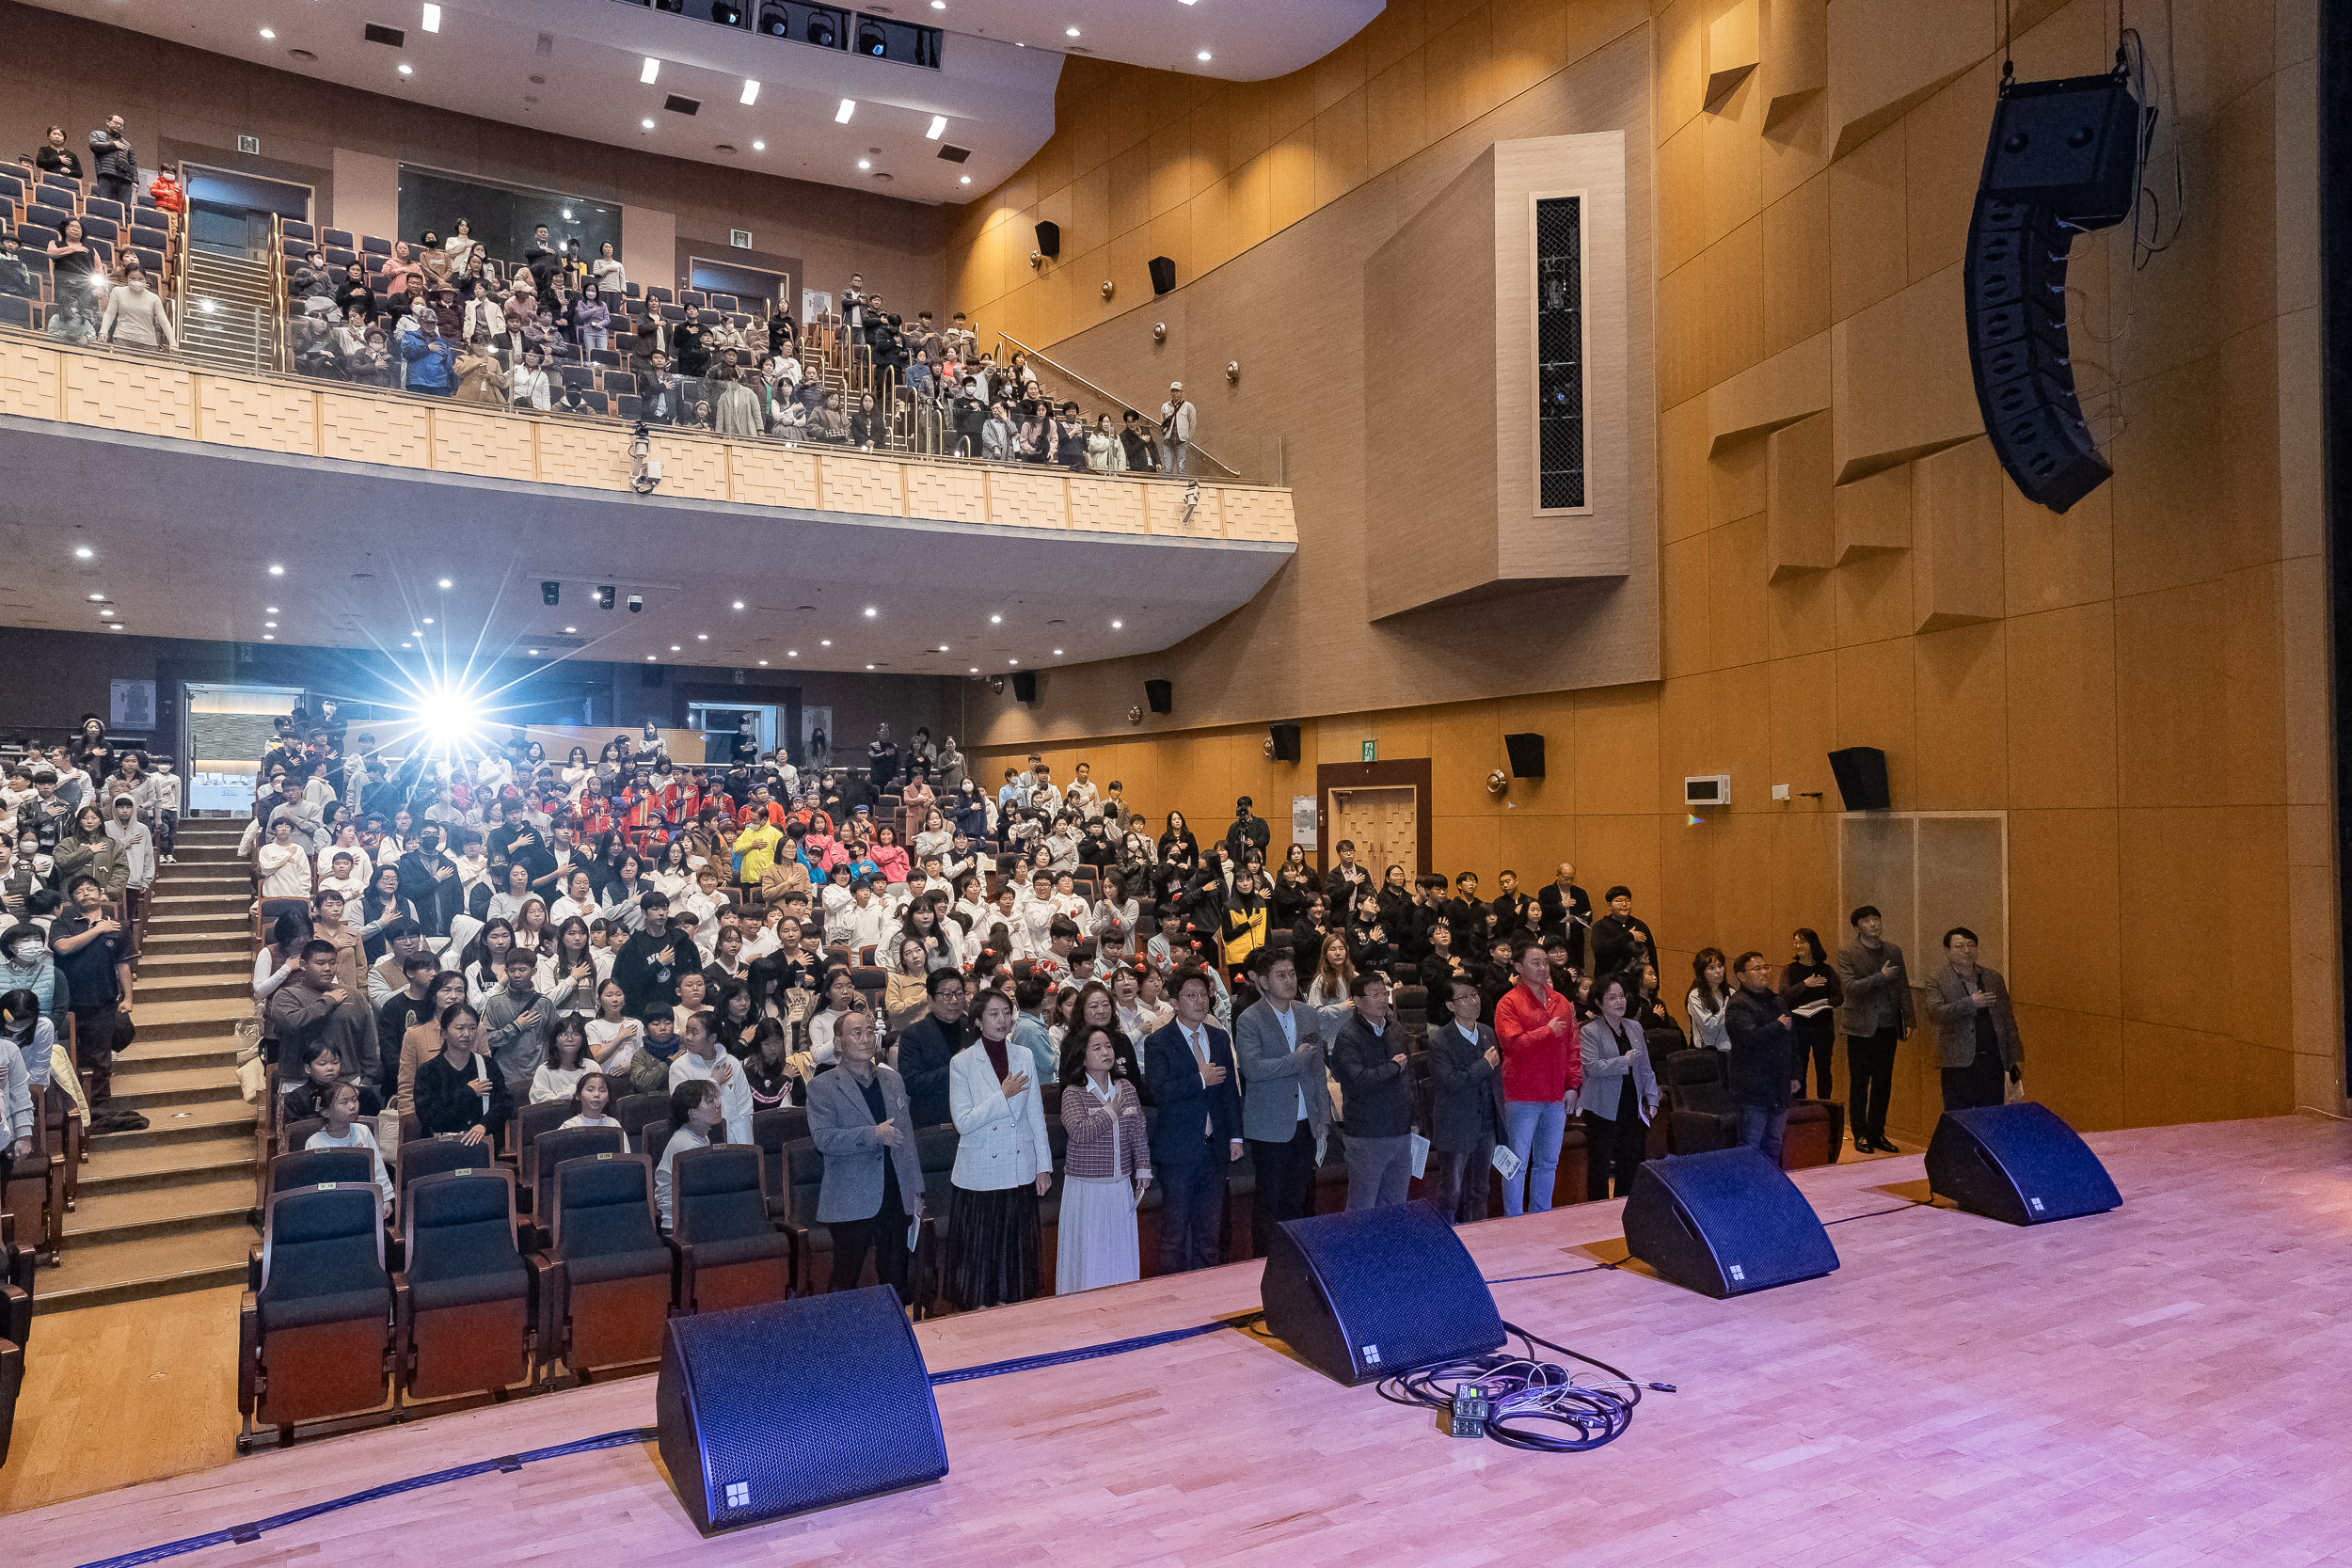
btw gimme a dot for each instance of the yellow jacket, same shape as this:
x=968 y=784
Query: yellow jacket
x=757 y=846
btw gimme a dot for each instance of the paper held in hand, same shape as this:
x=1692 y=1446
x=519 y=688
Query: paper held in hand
x=1505 y=1163
x=1421 y=1155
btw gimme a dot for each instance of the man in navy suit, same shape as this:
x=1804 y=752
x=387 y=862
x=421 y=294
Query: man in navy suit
x=1188 y=1075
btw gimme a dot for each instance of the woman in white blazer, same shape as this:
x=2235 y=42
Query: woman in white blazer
x=993 y=1254
x=1620 y=1092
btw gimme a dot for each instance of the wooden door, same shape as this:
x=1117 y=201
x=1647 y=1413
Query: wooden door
x=1384 y=821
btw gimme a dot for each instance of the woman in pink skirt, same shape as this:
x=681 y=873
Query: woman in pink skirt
x=1107 y=1169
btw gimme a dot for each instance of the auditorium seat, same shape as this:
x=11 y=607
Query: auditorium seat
x=370 y=245
x=291 y=229
x=549 y=1150
x=730 y=1252
x=606 y=1281
x=1699 y=1109
x=12 y=1383
x=462 y=1308
x=321 y=1167
x=433 y=1156
x=770 y=1130
x=811 y=1243
x=532 y=1122
x=108 y=211
x=312 y=1342
x=633 y=1111
x=339 y=238
x=16 y=312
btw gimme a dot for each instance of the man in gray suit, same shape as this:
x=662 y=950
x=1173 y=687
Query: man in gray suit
x=873 y=1181
x=1877 y=1015
x=1286 y=1098
x=1976 y=1030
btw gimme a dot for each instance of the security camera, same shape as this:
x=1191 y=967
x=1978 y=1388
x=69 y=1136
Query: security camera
x=636 y=603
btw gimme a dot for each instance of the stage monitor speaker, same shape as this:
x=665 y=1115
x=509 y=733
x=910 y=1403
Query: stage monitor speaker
x=1861 y=772
x=1049 y=237
x=764 y=1412
x=1361 y=1295
x=1285 y=738
x=2063 y=158
x=1527 y=755
x=1163 y=273
x=2017 y=1163
x=1725 y=1223
x=1160 y=695
x=1024 y=686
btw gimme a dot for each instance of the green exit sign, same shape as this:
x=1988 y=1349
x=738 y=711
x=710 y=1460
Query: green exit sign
x=1370 y=748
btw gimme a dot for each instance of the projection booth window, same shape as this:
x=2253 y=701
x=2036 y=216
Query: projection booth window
x=1560 y=352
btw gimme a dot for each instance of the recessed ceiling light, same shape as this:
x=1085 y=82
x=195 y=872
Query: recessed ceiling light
x=751 y=91
x=791 y=653
x=417 y=634
x=967 y=179
x=269 y=32
x=943 y=647
x=652 y=68
x=1117 y=625
x=1071 y=32
x=269 y=637
x=646 y=124
x=848 y=108
x=870 y=666
x=533 y=651
x=738 y=604
x=975 y=669
x=269 y=609
x=407 y=645
x=568 y=218
x=84 y=554
x=759 y=147
x=407 y=70
x=649 y=658
x=276 y=571
x=571 y=628
x=1057 y=652
x=996 y=620
x=939 y=5
x=447 y=583
x=870 y=612
x=272 y=625
x=865 y=163
x=673 y=648
x=101 y=599
x=433 y=19
x=763 y=664
x=1013 y=662
x=1202 y=56
x=702 y=637
x=114 y=626
x=939 y=128
x=108 y=614
x=428 y=621
x=824 y=641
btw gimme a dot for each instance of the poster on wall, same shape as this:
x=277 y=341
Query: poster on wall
x=133 y=707
x=816 y=303
x=1303 y=822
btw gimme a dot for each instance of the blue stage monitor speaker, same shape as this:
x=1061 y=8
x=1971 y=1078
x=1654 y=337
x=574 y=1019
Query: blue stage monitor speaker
x=1725 y=1223
x=1379 y=1290
x=769 y=1411
x=2019 y=1164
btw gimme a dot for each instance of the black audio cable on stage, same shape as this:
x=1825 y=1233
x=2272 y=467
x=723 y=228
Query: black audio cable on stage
x=1522 y=1395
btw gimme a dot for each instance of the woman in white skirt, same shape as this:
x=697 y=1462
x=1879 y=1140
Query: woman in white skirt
x=1108 y=1167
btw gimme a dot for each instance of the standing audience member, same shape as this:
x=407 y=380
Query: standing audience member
x=1188 y=1075
x=1377 y=1098
x=1876 y=1016
x=1176 y=418
x=1536 y=1028
x=1976 y=1029
x=1286 y=1103
x=1004 y=1166
x=1764 y=1070
x=872 y=1191
x=1465 y=1106
x=1809 y=986
x=114 y=165
x=1105 y=1170
x=1619 y=1093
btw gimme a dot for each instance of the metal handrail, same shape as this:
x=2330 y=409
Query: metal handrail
x=282 y=338
x=1067 y=374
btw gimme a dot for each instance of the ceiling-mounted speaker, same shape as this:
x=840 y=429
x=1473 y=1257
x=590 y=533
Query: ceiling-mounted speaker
x=1024 y=687
x=1285 y=739
x=1527 y=755
x=1049 y=237
x=1160 y=695
x=1162 y=275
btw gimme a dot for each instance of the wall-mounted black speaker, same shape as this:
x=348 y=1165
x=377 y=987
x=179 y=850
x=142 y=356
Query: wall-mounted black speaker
x=1527 y=755
x=550 y=593
x=1163 y=273
x=1285 y=738
x=1024 y=686
x=1725 y=1223
x=1861 y=777
x=2017 y=1163
x=2064 y=159
x=1364 y=1294
x=750 y=1436
x=654 y=675
x=1049 y=237
x=1160 y=695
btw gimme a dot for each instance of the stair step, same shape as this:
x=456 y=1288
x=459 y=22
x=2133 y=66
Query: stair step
x=182 y=940
x=168 y=986
x=193 y=1020
x=192 y=962
x=174 y=1087
x=201 y=903
x=218 y=924
x=218 y=1203
x=225 y=1158
x=104 y=1272
x=178 y=1124
x=181 y=1055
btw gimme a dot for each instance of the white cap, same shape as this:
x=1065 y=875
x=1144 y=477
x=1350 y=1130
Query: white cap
x=1175 y=385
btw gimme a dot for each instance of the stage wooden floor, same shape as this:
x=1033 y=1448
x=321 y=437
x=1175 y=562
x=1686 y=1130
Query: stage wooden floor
x=2165 y=1384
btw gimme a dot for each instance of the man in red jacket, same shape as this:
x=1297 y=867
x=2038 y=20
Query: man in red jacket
x=1542 y=1070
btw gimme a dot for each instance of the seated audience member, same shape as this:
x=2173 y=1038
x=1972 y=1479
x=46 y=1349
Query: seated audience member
x=322 y=1074
x=694 y=1116
x=460 y=1091
x=345 y=1105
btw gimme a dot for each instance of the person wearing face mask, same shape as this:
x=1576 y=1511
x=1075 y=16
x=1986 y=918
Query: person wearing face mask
x=135 y=317
x=25 y=965
x=25 y=1037
x=93 y=955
